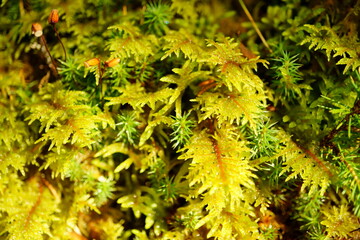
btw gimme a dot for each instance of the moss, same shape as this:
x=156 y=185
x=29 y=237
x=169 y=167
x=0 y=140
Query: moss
x=154 y=120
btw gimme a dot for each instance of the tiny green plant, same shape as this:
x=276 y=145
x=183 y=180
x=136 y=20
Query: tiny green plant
x=181 y=130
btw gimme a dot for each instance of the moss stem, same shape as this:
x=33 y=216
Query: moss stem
x=43 y=40
x=58 y=37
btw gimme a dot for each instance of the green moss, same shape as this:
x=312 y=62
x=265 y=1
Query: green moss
x=173 y=120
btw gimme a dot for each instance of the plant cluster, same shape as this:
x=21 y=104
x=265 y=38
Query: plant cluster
x=179 y=119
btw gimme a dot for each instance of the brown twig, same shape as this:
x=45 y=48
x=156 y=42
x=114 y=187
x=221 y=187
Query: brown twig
x=254 y=25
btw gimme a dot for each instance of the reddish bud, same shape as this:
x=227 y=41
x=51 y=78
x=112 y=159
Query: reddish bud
x=36 y=29
x=112 y=62
x=53 y=17
x=92 y=62
x=271 y=108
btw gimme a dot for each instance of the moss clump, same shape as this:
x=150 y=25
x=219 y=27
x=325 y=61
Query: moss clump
x=179 y=120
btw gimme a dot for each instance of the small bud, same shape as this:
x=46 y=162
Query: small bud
x=36 y=29
x=53 y=17
x=112 y=62
x=92 y=62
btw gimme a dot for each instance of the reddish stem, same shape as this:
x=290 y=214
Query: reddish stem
x=35 y=206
